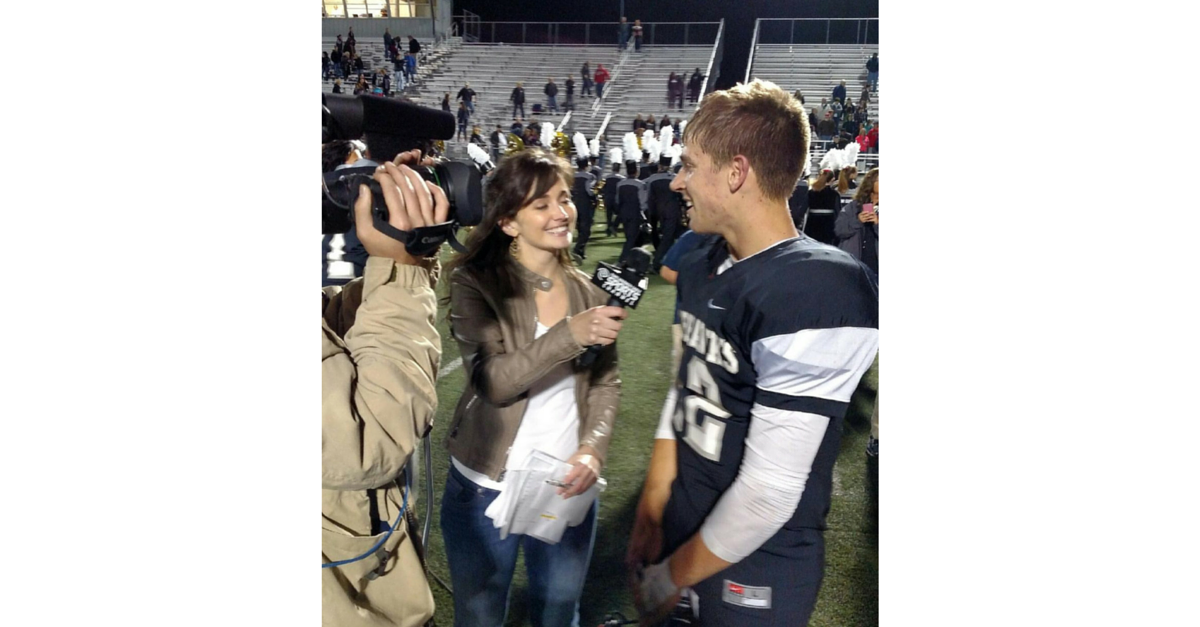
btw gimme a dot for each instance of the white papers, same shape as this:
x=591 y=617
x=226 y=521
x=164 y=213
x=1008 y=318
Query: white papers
x=528 y=505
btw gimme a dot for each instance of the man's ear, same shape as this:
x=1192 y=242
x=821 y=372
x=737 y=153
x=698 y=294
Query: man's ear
x=739 y=172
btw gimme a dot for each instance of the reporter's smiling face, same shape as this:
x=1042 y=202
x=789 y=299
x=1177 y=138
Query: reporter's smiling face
x=545 y=222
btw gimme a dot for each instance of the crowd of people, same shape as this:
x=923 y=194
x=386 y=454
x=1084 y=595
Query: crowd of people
x=770 y=342
x=344 y=63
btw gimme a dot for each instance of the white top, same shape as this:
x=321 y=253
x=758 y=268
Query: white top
x=550 y=423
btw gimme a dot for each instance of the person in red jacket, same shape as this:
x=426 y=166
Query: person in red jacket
x=601 y=79
x=863 y=140
x=873 y=136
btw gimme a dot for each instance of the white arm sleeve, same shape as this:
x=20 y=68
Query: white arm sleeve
x=780 y=450
x=665 y=430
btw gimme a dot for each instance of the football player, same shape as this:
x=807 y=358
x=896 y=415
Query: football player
x=778 y=329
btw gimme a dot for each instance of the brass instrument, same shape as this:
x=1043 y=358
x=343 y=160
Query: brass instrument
x=515 y=144
x=561 y=145
x=598 y=190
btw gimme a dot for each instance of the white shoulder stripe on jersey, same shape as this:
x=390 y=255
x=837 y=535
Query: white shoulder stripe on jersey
x=821 y=363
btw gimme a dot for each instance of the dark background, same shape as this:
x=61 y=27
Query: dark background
x=739 y=16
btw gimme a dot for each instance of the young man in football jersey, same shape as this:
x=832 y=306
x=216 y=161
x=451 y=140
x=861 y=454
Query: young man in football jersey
x=778 y=329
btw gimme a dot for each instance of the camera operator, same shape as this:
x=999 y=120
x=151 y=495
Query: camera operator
x=379 y=362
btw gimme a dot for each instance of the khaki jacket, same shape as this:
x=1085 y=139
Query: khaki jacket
x=379 y=363
x=502 y=361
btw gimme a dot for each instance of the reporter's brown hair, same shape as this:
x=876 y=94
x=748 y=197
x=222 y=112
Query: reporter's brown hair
x=759 y=121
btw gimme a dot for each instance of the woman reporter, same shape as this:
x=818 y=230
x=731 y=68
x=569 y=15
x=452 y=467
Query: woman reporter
x=521 y=313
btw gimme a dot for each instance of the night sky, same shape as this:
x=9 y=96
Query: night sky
x=739 y=17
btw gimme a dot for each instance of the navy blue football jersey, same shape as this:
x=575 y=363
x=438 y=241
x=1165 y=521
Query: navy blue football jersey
x=792 y=329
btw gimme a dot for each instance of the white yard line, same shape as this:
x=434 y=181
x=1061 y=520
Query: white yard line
x=451 y=367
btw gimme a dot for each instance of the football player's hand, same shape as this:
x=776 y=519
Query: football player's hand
x=585 y=470
x=654 y=594
x=645 y=541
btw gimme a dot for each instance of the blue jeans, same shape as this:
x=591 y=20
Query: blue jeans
x=599 y=90
x=873 y=77
x=482 y=565
x=551 y=103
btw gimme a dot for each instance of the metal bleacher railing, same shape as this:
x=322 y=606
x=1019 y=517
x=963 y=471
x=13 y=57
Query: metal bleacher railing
x=583 y=33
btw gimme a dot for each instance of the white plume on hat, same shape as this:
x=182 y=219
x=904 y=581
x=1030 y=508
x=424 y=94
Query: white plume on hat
x=547 y=134
x=653 y=147
x=581 y=145
x=675 y=151
x=682 y=125
x=595 y=146
x=359 y=145
x=832 y=160
x=668 y=136
x=850 y=155
x=614 y=155
x=478 y=154
x=631 y=147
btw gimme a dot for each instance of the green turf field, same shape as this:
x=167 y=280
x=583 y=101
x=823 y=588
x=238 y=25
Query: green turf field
x=849 y=594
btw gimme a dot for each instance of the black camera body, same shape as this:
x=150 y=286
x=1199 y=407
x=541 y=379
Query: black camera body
x=389 y=127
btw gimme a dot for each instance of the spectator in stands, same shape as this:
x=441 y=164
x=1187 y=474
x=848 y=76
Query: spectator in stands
x=387 y=43
x=361 y=86
x=467 y=95
x=860 y=114
x=337 y=85
x=358 y=63
x=622 y=34
x=394 y=51
x=350 y=41
x=338 y=48
x=849 y=110
x=524 y=391
x=517 y=98
x=494 y=139
x=856 y=228
x=675 y=90
x=865 y=97
x=414 y=46
x=476 y=138
x=812 y=119
x=695 y=83
x=651 y=123
x=464 y=118
x=639 y=123
x=637 y=35
x=873 y=71
x=410 y=65
x=325 y=63
x=846 y=180
x=823 y=204
x=836 y=107
x=601 y=78
x=665 y=121
x=873 y=135
x=826 y=128
x=799 y=96
x=570 y=105
x=839 y=92
x=586 y=73
x=863 y=141
x=517 y=128
x=849 y=129
x=446 y=102
x=551 y=91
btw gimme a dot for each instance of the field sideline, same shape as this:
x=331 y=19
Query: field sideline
x=849 y=594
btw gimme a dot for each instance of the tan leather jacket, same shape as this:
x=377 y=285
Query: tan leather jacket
x=502 y=361
x=378 y=398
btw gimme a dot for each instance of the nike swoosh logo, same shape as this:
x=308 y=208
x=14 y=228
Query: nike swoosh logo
x=712 y=306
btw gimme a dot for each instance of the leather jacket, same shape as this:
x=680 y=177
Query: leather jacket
x=502 y=360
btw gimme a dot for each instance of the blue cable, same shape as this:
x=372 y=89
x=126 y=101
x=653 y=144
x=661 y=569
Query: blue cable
x=384 y=539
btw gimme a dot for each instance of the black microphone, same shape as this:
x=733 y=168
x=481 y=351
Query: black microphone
x=625 y=286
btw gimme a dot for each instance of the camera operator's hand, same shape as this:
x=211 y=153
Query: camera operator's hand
x=411 y=203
